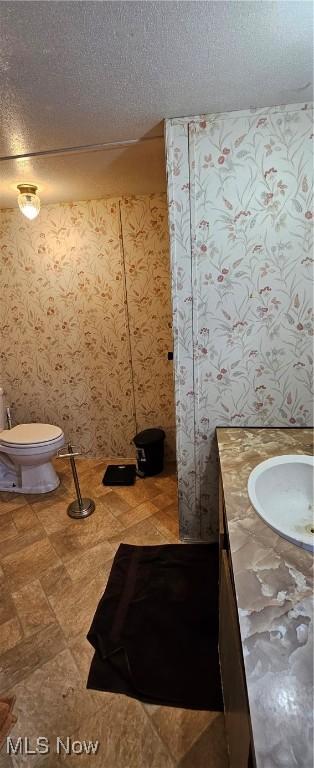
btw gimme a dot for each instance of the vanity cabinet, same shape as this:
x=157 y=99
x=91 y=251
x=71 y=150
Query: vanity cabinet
x=237 y=717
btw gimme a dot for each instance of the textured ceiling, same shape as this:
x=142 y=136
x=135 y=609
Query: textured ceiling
x=74 y=73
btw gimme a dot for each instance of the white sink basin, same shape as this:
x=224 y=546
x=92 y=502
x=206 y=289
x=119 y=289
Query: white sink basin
x=281 y=492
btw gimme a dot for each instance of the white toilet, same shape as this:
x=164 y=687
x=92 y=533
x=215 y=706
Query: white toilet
x=26 y=452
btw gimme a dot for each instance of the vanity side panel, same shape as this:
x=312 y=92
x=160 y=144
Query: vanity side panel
x=233 y=684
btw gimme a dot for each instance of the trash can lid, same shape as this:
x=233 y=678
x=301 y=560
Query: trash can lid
x=149 y=436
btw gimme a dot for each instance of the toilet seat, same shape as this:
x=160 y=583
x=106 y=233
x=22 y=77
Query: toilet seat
x=30 y=435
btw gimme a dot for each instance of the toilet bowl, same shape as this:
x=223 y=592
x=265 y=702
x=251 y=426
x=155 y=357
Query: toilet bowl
x=26 y=452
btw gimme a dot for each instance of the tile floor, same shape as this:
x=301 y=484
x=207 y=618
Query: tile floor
x=52 y=573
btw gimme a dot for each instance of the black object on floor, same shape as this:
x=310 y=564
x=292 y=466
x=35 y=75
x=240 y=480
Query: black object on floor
x=119 y=474
x=150 y=451
x=155 y=631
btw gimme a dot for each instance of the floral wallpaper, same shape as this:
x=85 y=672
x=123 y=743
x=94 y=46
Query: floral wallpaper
x=65 y=348
x=251 y=255
x=146 y=250
x=181 y=276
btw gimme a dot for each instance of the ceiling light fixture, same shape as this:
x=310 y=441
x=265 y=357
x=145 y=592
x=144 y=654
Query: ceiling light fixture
x=29 y=202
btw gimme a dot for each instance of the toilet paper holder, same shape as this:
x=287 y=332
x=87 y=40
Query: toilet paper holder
x=82 y=507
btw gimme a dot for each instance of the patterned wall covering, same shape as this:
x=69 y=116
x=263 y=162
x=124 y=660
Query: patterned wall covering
x=146 y=249
x=250 y=239
x=65 y=347
x=181 y=276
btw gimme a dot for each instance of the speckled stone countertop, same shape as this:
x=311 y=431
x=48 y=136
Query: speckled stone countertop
x=273 y=585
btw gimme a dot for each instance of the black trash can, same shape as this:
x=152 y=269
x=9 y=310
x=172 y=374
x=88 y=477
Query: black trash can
x=150 y=451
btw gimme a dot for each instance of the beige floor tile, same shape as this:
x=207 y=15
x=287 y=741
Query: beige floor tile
x=66 y=478
x=75 y=607
x=91 y=478
x=163 y=500
x=24 y=518
x=90 y=484
x=98 y=493
x=148 y=483
x=151 y=708
x=10 y=635
x=92 y=562
x=54 y=516
x=29 y=654
x=21 y=540
x=138 y=493
x=82 y=534
x=8 y=529
x=66 y=543
x=116 y=503
x=28 y=563
x=99 y=526
x=52 y=701
x=5 y=759
x=167 y=484
x=7 y=608
x=33 y=608
x=172 y=509
x=51 y=761
x=10 y=501
x=136 y=514
x=82 y=652
x=210 y=749
x=126 y=737
x=43 y=500
x=87 y=466
x=180 y=728
x=165 y=524
x=142 y=534
x=55 y=581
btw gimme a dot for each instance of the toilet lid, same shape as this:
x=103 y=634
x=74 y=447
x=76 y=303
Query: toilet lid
x=30 y=434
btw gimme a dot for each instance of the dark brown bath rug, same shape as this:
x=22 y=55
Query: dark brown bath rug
x=155 y=631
